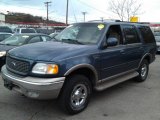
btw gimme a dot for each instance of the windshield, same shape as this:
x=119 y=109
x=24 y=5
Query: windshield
x=15 y=40
x=82 y=33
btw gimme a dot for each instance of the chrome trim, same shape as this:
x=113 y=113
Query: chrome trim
x=133 y=44
x=83 y=66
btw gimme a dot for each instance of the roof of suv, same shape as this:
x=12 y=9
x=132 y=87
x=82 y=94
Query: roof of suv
x=117 y=22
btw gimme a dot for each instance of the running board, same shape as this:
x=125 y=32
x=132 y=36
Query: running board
x=111 y=82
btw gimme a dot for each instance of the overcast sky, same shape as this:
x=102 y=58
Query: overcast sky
x=95 y=9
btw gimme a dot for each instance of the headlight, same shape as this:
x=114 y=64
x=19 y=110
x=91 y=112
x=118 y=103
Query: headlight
x=2 y=53
x=42 y=68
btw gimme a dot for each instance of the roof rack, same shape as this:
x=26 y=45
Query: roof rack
x=105 y=20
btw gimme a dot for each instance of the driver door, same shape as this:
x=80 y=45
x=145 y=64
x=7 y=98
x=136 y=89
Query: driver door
x=113 y=58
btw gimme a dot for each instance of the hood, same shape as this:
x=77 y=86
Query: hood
x=6 y=47
x=49 y=51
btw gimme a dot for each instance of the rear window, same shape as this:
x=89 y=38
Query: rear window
x=27 y=31
x=5 y=29
x=147 y=34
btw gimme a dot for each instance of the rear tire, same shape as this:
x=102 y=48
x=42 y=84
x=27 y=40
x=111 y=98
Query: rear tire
x=143 y=71
x=75 y=95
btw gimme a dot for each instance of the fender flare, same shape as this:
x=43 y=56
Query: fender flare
x=79 y=66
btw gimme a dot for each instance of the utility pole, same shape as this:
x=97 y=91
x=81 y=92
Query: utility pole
x=67 y=12
x=47 y=4
x=102 y=18
x=84 y=14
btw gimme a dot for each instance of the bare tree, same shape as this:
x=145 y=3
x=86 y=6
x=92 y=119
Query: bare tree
x=125 y=8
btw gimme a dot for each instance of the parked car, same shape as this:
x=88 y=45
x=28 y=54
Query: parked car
x=157 y=37
x=18 y=40
x=45 y=30
x=5 y=29
x=24 y=30
x=4 y=36
x=84 y=57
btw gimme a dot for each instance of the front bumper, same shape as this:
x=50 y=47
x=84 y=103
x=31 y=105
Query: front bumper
x=32 y=87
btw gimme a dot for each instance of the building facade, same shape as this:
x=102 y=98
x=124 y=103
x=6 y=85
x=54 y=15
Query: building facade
x=2 y=18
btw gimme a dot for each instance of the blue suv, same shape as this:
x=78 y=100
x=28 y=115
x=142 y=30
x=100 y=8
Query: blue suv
x=82 y=58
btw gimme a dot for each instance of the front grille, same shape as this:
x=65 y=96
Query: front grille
x=17 y=66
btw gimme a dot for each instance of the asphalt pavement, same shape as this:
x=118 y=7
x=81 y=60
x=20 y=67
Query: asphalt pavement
x=126 y=101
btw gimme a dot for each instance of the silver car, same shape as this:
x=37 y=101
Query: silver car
x=157 y=37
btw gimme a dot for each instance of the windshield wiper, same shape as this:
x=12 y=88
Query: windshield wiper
x=72 y=41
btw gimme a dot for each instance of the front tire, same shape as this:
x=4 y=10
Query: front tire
x=143 y=71
x=75 y=95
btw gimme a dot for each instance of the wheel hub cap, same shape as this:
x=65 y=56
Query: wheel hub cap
x=79 y=95
x=144 y=70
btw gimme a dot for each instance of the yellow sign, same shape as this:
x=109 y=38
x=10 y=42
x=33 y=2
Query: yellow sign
x=133 y=19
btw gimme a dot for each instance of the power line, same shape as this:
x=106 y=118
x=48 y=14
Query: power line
x=91 y=7
x=74 y=12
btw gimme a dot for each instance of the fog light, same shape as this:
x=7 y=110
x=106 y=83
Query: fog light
x=33 y=94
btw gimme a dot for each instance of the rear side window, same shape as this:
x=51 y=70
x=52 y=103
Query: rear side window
x=130 y=34
x=146 y=34
x=27 y=31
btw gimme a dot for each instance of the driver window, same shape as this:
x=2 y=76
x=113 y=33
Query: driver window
x=115 y=32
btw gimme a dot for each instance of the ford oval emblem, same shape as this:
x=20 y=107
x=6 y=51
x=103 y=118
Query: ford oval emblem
x=13 y=63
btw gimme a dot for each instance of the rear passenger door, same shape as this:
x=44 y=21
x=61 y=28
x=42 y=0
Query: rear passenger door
x=134 y=48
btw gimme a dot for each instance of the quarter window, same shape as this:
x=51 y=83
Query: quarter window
x=147 y=34
x=130 y=34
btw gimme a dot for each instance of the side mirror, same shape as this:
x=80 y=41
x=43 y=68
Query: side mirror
x=112 y=41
